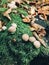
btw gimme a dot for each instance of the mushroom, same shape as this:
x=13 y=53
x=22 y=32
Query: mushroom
x=12 y=29
x=37 y=44
x=32 y=39
x=25 y=37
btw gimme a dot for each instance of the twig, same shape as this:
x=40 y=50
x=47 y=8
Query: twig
x=41 y=40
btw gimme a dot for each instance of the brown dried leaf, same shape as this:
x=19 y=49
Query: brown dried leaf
x=46 y=12
x=37 y=26
x=45 y=8
x=26 y=20
x=42 y=33
x=6 y=13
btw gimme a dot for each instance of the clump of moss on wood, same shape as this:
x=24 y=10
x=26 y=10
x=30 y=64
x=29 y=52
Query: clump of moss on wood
x=19 y=52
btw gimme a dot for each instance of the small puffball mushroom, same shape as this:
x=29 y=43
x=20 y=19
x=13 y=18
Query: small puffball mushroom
x=25 y=37
x=32 y=39
x=37 y=44
x=12 y=29
x=14 y=25
x=4 y=28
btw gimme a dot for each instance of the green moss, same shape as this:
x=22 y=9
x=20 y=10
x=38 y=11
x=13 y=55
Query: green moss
x=19 y=52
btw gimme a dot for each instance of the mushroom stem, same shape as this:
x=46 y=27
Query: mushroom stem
x=41 y=40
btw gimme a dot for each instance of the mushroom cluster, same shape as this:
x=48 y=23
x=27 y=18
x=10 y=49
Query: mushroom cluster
x=32 y=39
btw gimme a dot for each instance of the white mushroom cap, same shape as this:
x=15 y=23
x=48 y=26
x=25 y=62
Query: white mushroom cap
x=12 y=29
x=14 y=24
x=4 y=28
x=37 y=44
x=25 y=37
x=32 y=39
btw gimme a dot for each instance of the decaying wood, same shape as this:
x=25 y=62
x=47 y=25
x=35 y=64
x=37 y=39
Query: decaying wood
x=41 y=40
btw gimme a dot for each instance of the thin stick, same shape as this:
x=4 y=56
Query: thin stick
x=41 y=40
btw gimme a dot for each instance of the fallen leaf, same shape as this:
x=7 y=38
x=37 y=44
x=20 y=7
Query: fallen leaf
x=45 y=8
x=26 y=20
x=6 y=13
